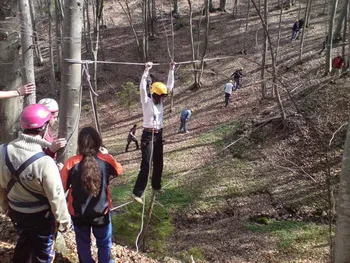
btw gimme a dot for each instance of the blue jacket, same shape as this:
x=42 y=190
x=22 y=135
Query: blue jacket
x=185 y=114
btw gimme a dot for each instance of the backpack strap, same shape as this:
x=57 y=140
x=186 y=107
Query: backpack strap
x=15 y=179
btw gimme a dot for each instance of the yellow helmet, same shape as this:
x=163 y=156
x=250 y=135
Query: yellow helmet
x=159 y=88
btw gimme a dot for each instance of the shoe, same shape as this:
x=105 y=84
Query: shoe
x=159 y=191
x=137 y=198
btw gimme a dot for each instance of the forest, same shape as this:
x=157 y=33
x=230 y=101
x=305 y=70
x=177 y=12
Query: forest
x=260 y=177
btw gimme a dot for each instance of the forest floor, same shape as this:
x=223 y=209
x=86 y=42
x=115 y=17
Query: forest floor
x=246 y=168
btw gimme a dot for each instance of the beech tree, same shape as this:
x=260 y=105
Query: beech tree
x=342 y=237
x=10 y=77
x=70 y=96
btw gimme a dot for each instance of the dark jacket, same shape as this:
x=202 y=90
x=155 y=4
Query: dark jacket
x=86 y=209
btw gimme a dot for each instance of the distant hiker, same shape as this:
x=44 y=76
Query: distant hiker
x=131 y=137
x=86 y=178
x=56 y=143
x=31 y=191
x=22 y=91
x=237 y=77
x=152 y=134
x=337 y=65
x=229 y=87
x=297 y=26
x=184 y=117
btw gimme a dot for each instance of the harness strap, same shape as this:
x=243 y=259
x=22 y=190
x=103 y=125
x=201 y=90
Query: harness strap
x=15 y=179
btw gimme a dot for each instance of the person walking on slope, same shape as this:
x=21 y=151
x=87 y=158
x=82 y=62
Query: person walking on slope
x=229 y=87
x=131 y=137
x=297 y=26
x=184 y=117
x=31 y=191
x=56 y=143
x=237 y=77
x=86 y=177
x=152 y=138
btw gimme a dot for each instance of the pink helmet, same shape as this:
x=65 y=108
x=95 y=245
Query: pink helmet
x=34 y=116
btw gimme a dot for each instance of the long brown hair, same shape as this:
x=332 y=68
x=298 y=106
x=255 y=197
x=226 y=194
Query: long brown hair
x=89 y=143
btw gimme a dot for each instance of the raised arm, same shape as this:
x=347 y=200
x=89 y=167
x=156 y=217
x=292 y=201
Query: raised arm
x=170 y=83
x=143 y=83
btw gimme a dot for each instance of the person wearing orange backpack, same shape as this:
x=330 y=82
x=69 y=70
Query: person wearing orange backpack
x=86 y=178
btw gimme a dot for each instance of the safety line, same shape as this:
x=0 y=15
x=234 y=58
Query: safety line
x=74 y=61
x=119 y=206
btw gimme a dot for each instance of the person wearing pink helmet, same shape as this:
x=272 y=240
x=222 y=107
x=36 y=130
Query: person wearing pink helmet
x=27 y=89
x=31 y=190
x=56 y=143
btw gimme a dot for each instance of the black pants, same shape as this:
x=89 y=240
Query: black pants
x=237 y=80
x=146 y=149
x=36 y=237
x=227 y=98
x=130 y=139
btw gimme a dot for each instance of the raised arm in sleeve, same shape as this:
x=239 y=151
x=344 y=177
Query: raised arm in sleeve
x=170 y=83
x=143 y=86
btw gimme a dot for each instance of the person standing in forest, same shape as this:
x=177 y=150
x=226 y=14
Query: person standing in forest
x=184 y=118
x=152 y=134
x=237 y=77
x=86 y=178
x=56 y=143
x=229 y=87
x=132 y=137
x=31 y=191
x=296 y=29
x=22 y=91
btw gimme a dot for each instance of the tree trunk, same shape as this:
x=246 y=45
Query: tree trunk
x=273 y=60
x=70 y=99
x=10 y=76
x=205 y=40
x=263 y=62
x=348 y=57
x=145 y=29
x=246 y=29
x=341 y=19
x=331 y=36
x=192 y=44
x=58 y=27
x=307 y=10
x=128 y=16
x=52 y=62
x=176 y=10
x=223 y=5
x=344 y=33
x=342 y=237
x=27 y=48
x=39 y=57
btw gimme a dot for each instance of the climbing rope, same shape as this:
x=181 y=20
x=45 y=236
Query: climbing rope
x=92 y=92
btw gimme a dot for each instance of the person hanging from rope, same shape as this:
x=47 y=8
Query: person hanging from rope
x=31 y=191
x=23 y=91
x=132 y=137
x=152 y=134
x=86 y=177
x=56 y=143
